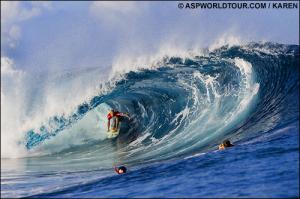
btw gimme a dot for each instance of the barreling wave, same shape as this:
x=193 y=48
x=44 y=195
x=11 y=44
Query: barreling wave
x=182 y=106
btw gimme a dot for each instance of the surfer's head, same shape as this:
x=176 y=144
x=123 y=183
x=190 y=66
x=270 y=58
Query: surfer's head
x=226 y=143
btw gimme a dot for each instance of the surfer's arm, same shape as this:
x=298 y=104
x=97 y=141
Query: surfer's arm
x=124 y=115
x=127 y=115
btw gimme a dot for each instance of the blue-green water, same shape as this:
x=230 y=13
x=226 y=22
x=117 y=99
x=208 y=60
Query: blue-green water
x=181 y=111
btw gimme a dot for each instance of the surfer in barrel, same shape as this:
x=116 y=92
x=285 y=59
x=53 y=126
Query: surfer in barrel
x=116 y=117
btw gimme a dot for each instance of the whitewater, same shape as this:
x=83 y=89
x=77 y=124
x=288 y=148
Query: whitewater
x=182 y=106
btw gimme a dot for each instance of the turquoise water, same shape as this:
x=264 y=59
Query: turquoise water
x=181 y=111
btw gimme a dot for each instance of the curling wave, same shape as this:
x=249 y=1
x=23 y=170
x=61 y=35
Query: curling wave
x=180 y=107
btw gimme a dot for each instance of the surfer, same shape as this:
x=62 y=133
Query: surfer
x=225 y=144
x=116 y=117
x=121 y=169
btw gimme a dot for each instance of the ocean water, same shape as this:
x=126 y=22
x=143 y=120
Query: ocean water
x=182 y=107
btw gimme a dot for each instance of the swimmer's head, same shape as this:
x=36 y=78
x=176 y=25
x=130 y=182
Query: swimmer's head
x=227 y=143
x=121 y=170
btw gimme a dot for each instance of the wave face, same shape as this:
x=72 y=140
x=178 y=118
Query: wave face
x=180 y=107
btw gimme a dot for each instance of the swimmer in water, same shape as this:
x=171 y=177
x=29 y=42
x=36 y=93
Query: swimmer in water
x=225 y=144
x=121 y=169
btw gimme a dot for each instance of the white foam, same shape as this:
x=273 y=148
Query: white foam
x=127 y=62
x=195 y=155
x=226 y=39
x=28 y=101
x=12 y=93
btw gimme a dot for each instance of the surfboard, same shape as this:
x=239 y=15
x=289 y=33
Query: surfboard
x=114 y=132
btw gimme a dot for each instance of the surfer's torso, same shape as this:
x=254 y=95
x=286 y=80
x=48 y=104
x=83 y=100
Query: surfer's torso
x=114 y=114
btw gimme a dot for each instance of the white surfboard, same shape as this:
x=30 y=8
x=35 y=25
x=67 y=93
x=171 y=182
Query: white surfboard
x=113 y=132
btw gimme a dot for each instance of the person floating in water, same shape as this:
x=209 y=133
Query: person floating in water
x=225 y=144
x=116 y=117
x=120 y=169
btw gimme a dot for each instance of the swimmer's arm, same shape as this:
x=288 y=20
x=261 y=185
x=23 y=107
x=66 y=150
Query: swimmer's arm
x=221 y=147
x=116 y=169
